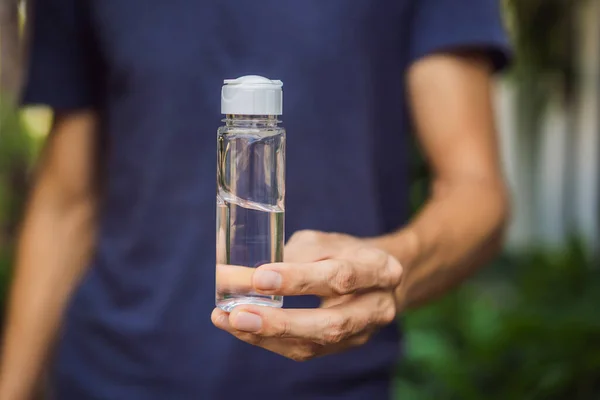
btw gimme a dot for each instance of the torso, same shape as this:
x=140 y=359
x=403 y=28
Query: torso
x=139 y=325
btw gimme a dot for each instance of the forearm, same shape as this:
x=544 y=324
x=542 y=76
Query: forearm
x=53 y=249
x=459 y=229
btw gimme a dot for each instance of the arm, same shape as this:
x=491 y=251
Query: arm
x=364 y=283
x=461 y=225
x=54 y=247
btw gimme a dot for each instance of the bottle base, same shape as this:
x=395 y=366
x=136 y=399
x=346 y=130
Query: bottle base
x=230 y=303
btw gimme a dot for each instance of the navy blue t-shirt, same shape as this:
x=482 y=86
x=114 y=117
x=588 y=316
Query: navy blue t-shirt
x=138 y=326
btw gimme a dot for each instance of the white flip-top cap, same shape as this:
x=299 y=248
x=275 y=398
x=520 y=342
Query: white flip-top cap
x=252 y=95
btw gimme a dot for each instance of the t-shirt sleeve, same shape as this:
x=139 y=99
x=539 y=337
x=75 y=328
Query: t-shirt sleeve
x=63 y=68
x=442 y=25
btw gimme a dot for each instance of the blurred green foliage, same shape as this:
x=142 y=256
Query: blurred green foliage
x=543 y=36
x=526 y=328
x=15 y=150
x=542 y=33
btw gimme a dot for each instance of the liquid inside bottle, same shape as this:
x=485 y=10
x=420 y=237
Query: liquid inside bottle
x=250 y=206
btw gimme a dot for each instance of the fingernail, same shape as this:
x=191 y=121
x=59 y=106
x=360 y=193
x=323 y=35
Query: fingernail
x=247 y=322
x=267 y=280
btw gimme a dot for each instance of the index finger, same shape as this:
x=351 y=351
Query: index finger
x=331 y=277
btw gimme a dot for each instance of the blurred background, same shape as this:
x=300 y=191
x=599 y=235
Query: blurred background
x=528 y=326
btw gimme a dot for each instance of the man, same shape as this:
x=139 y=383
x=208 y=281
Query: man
x=117 y=247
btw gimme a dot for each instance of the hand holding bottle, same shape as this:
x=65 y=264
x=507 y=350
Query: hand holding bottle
x=356 y=281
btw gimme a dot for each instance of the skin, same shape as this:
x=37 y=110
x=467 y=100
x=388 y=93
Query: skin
x=54 y=247
x=364 y=282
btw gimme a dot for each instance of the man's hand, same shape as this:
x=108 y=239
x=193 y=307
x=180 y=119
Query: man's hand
x=356 y=281
x=456 y=232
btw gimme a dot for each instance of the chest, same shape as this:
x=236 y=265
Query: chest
x=156 y=40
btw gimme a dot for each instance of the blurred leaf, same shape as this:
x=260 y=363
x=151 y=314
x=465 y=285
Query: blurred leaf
x=527 y=328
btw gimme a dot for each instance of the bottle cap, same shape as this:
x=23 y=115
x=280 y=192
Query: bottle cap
x=252 y=95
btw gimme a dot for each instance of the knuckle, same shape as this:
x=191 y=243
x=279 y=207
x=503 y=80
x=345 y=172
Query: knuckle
x=389 y=316
x=337 y=330
x=394 y=271
x=336 y=236
x=282 y=329
x=334 y=336
x=344 y=278
x=305 y=352
x=371 y=255
x=303 y=286
x=307 y=236
x=360 y=340
x=299 y=356
x=388 y=309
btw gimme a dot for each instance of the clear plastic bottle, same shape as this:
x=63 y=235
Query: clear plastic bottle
x=250 y=188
